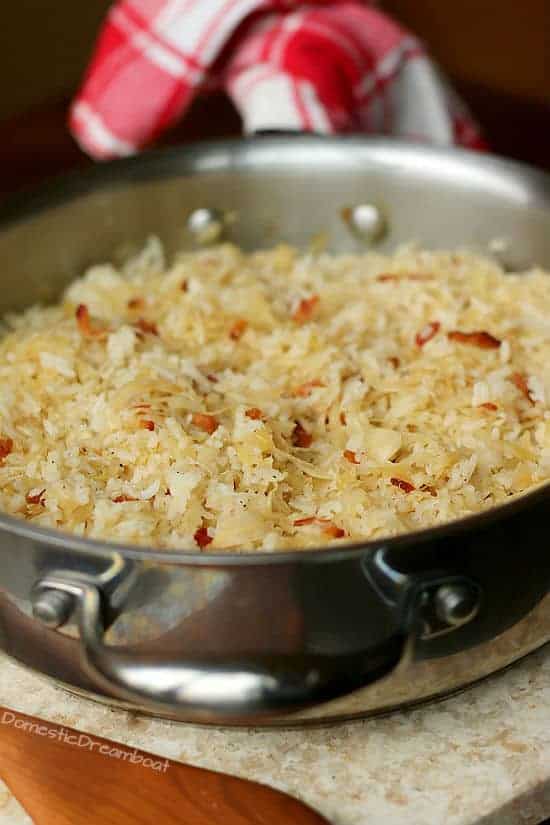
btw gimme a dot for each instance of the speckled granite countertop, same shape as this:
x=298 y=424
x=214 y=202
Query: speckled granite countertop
x=480 y=757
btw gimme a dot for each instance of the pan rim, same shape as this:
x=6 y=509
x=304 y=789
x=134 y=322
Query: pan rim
x=231 y=155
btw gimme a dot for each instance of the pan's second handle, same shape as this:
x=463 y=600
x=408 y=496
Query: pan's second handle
x=244 y=689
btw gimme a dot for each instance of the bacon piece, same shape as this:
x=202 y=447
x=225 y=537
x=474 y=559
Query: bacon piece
x=208 y=423
x=36 y=499
x=147 y=327
x=238 y=329
x=489 y=406
x=301 y=522
x=384 y=277
x=123 y=498
x=333 y=531
x=184 y=286
x=427 y=333
x=85 y=325
x=142 y=406
x=428 y=488
x=343 y=419
x=202 y=538
x=481 y=339
x=301 y=437
x=395 y=362
x=328 y=527
x=520 y=381
x=406 y=486
x=350 y=456
x=136 y=303
x=254 y=413
x=6 y=447
x=305 y=309
x=147 y=424
x=305 y=390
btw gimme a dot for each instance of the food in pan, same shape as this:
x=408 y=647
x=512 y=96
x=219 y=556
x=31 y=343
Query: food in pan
x=275 y=400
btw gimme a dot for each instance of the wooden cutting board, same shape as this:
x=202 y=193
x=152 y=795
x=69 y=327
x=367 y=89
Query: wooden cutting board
x=62 y=776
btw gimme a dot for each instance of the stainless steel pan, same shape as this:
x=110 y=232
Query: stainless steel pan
x=280 y=638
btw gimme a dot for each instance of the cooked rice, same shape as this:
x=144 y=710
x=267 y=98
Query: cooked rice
x=275 y=400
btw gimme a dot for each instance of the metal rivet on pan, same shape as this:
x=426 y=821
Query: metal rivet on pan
x=498 y=246
x=366 y=221
x=456 y=604
x=501 y=250
x=206 y=225
x=52 y=607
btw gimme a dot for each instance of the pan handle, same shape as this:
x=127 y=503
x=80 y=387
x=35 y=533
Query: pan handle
x=215 y=689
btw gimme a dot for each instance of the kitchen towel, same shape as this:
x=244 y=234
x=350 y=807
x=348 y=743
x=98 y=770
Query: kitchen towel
x=328 y=66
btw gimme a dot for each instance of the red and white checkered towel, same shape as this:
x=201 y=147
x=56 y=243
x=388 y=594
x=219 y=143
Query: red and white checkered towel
x=316 y=65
